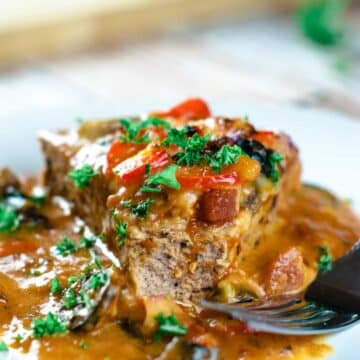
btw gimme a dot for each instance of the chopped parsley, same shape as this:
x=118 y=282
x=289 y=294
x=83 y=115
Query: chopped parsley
x=49 y=325
x=70 y=300
x=87 y=242
x=227 y=155
x=325 y=261
x=133 y=129
x=132 y=132
x=84 y=298
x=193 y=151
x=95 y=259
x=65 y=247
x=73 y=279
x=3 y=346
x=9 y=220
x=166 y=177
x=157 y=122
x=274 y=159
x=168 y=325
x=98 y=280
x=120 y=228
x=82 y=176
x=140 y=209
x=55 y=287
x=176 y=137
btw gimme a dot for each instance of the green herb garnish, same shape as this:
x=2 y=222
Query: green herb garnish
x=133 y=129
x=176 y=137
x=55 y=287
x=49 y=325
x=140 y=209
x=325 y=262
x=193 y=151
x=75 y=278
x=166 y=177
x=98 y=280
x=323 y=21
x=96 y=259
x=227 y=155
x=9 y=220
x=82 y=176
x=85 y=299
x=120 y=228
x=274 y=159
x=65 y=247
x=3 y=346
x=168 y=325
x=70 y=300
x=156 y=122
x=132 y=132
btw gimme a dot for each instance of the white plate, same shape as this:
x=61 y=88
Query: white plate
x=329 y=146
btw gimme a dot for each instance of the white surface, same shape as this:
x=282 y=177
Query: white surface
x=329 y=145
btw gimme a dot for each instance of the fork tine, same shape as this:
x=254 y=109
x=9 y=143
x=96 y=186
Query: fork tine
x=308 y=318
x=282 y=305
x=336 y=325
x=305 y=313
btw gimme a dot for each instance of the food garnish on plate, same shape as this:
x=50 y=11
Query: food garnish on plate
x=136 y=219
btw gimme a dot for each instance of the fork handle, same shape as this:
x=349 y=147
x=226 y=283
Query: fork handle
x=340 y=287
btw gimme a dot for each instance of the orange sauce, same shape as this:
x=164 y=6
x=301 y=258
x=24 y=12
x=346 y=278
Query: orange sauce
x=311 y=218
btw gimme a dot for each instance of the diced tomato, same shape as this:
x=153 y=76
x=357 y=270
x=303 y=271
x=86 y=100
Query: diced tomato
x=11 y=247
x=133 y=169
x=120 y=151
x=191 y=109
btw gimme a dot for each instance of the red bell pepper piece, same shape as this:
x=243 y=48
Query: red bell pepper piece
x=133 y=169
x=191 y=109
x=120 y=151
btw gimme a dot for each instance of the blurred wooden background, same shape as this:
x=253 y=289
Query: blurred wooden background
x=41 y=28
x=243 y=49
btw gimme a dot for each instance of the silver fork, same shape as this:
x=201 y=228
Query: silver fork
x=331 y=304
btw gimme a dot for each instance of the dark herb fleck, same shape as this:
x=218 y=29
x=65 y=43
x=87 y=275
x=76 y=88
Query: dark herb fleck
x=87 y=242
x=84 y=345
x=147 y=169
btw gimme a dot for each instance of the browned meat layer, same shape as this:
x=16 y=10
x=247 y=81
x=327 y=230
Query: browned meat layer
x=191 y=238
